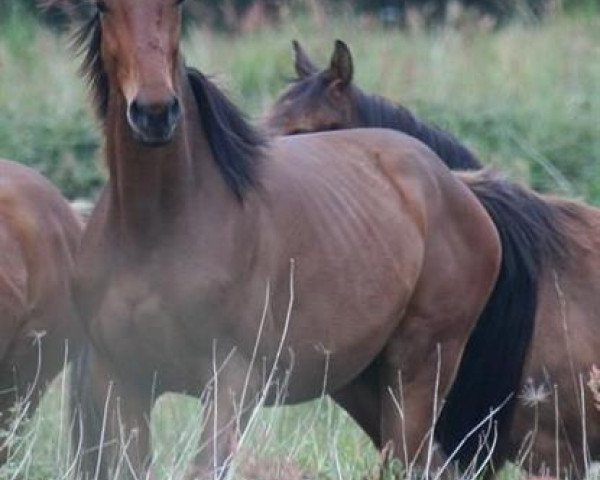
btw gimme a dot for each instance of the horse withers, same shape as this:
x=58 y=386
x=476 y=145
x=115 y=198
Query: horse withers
x=349 y=263
x=549 y=425
x=39 y=235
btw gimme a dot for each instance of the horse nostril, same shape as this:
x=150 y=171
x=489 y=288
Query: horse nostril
x=154 y=122
x=135 y=111
x=174 y=109
x=155 y=113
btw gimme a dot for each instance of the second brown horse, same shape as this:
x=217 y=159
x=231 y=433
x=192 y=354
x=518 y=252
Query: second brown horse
x=39 y=235
x=555 y=428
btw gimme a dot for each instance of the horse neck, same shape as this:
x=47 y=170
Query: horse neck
x=374 y=111
x=153 y=190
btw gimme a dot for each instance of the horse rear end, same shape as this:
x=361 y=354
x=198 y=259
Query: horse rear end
x=556 y=412
x=456 y=247
x=39 y=234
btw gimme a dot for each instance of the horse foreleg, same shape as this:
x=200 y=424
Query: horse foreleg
x=416 y=373
x=111 y=423
x=229 y=401
x=7 y=403
x=19 y=397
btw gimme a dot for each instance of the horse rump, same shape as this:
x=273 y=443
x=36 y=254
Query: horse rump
x=477 y=414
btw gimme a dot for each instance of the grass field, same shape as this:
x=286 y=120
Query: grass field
x=526 y=98
x=315 y=441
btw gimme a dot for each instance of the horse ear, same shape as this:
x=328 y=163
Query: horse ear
x=304 y=66
x=341 y=68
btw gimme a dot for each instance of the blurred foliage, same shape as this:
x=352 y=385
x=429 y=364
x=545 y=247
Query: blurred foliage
x=229 y=14
x=527 y=99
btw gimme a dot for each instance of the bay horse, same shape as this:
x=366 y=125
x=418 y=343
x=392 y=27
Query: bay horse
x=39 y=332
x=329 y=100
x=554 y=425
x=348 y=263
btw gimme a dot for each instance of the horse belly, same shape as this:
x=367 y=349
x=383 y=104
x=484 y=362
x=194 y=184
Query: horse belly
x=342 y=316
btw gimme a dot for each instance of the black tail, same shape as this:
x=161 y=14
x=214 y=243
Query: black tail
x=491 y=367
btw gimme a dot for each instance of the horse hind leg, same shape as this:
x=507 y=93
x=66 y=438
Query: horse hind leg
x=361 y=400
x=393 y=400
x=9 y=314
x=415 y=373
x=19 y=398
x=7 y=404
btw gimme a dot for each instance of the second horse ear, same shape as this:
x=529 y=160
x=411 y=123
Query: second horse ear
x=341 y=68
x=304 y=65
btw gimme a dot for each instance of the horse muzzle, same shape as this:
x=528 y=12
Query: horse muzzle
x=154 y=124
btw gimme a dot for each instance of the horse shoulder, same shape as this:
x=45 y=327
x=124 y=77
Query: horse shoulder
x=40 y=236
x=13 y=287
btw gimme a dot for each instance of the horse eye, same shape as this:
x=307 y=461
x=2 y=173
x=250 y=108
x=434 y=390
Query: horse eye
x=298 y=131
x=101 y=6
x=179 y=2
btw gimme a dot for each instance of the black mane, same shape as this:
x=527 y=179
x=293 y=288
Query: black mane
x=375 y=111
x=86 y=41
x=236 y=145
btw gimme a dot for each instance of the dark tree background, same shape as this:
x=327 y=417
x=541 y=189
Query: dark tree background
x=229 y=14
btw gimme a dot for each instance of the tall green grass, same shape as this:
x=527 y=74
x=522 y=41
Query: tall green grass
x=316 y=441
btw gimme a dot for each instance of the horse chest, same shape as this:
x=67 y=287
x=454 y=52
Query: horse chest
x=147 y=318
